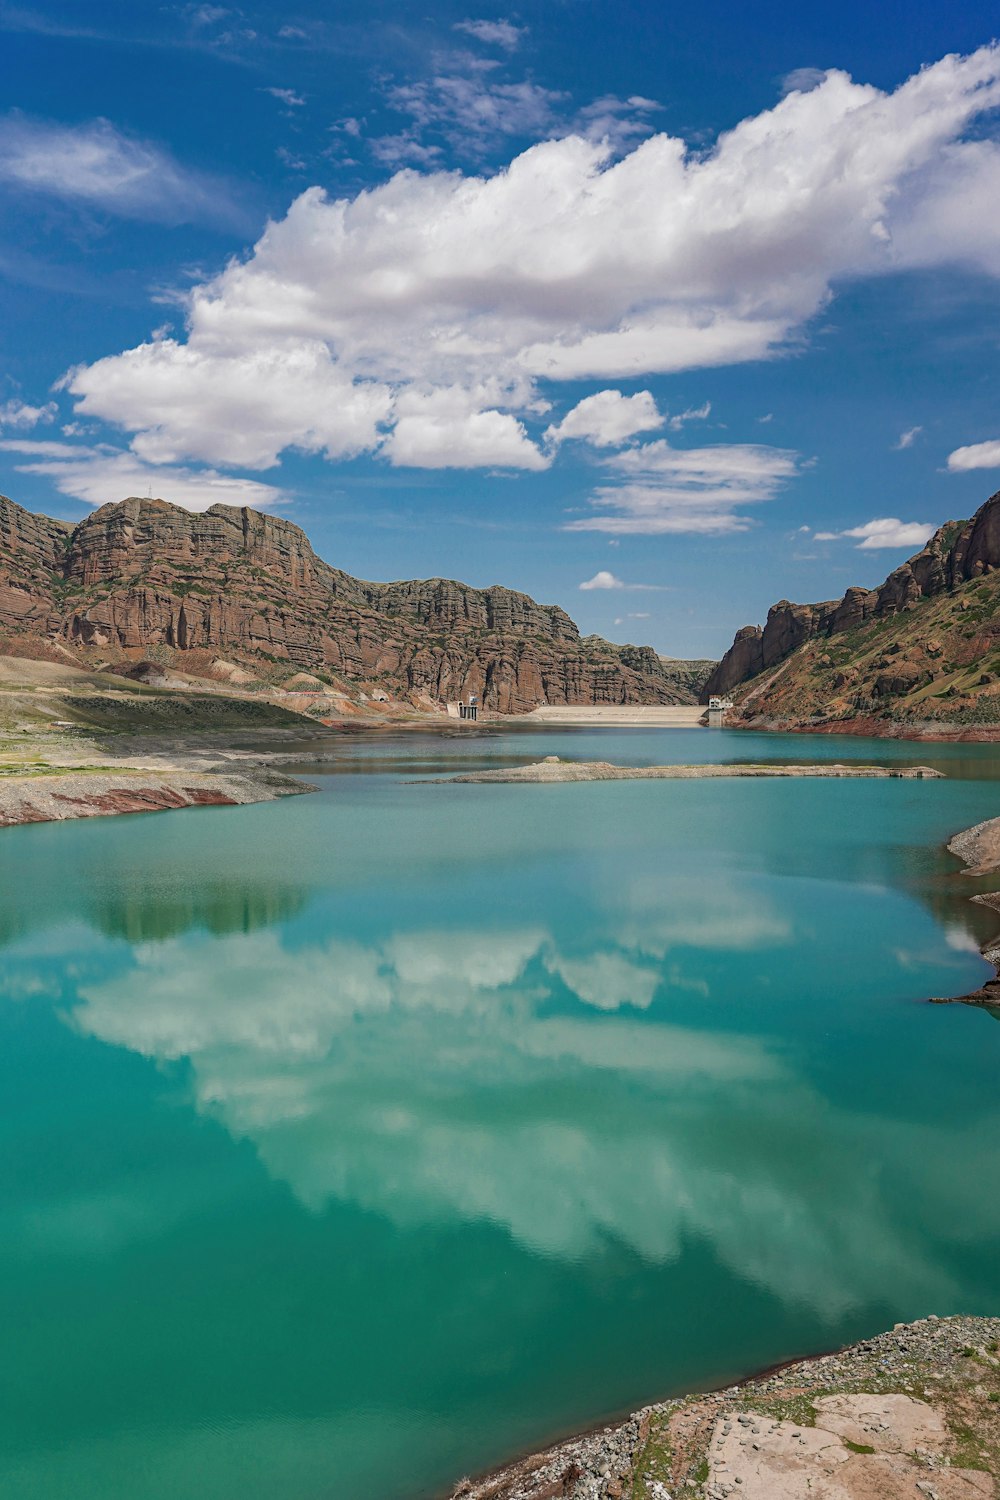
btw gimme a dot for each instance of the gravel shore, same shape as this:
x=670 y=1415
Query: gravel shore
x=979 y=847
x=909 y=1415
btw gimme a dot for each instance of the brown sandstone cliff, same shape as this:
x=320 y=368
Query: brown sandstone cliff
x=32 y=555
x=141 y=574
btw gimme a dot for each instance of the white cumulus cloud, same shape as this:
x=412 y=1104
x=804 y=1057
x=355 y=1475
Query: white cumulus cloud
x=444 y=430
x=98 y=475
x=235 y=405
x=607 y=419
x=975 y=456
x=14 y=413
x=566 y=265
x=884 y=532
x=606 y=580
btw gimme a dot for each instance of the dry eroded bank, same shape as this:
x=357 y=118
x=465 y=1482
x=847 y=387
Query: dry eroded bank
x=53 y=795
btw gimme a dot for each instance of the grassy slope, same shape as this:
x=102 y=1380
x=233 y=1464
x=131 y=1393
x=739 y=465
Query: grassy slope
x=38 y=695
x=938 y=660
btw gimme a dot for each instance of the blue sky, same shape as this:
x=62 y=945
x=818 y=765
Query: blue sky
x=696 y=308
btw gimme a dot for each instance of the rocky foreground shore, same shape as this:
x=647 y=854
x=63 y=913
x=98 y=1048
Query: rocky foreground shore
x=910 y=1415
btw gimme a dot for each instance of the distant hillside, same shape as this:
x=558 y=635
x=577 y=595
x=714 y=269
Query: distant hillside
x=924 y=647
x=238 y=593
x=691 y=674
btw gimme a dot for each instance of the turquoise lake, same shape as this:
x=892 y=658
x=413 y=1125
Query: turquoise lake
x=361 y=1140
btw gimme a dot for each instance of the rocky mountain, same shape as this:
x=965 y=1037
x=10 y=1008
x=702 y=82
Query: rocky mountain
x=693 y=674
x=924 y=646
x=143 y=576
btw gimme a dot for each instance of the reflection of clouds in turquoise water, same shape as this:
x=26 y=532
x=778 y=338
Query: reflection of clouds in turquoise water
x=429 y=1079
x=607 y=981
x=437 y=963
x=99 y=1223
x=960 y=940
x=658 y=912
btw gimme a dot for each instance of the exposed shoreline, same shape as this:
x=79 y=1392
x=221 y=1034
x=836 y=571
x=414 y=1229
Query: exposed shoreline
x=553 y=771
x=56 y=795
x=905 y=1413
x=919 y=731
x=82 y=778
x=979 y=849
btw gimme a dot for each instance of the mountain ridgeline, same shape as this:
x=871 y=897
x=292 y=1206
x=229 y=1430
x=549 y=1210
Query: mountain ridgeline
x=924 y=646
x=142 y=576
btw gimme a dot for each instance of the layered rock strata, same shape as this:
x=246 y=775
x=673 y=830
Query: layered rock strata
x=143 y=574
x=32 y=556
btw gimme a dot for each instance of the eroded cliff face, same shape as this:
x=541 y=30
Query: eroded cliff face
x=32 y=556
x=143 y=573
x=924 y=647
x=957 y=552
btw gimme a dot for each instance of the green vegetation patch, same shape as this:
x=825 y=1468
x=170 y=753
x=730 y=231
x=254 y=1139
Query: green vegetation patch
x=797 y=1409
x=33 y=770
x=655 y=1462
x=968 y=1451
x=168 y=711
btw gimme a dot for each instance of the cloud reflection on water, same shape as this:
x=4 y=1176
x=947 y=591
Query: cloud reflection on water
x=484 y=1075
